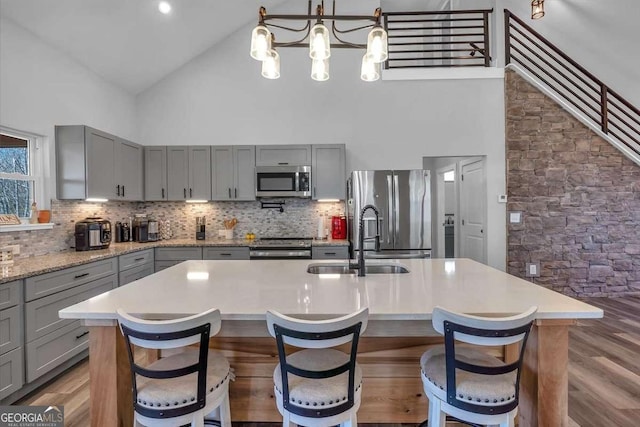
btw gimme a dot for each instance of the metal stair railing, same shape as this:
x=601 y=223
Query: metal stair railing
x=448 y=38
x=594 y=101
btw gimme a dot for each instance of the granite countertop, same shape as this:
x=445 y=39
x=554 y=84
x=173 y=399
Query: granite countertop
x=245 y=290
x=32 y=266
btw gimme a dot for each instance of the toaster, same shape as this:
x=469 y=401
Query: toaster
x=92 y=233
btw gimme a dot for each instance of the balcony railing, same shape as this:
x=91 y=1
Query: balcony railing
x=455 y=38
x=572 y=83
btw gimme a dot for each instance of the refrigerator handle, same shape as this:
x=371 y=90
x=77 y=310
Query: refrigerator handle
x=396 y=217
x=389 y=209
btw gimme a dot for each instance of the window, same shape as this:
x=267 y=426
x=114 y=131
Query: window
x=17 y=173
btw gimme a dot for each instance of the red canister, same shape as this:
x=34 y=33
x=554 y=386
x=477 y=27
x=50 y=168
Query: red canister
x=338 y=227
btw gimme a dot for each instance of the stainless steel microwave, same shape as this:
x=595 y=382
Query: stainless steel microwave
x=283 y=181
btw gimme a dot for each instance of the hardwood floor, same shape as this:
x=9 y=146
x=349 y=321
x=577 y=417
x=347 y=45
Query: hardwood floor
x=604 y=373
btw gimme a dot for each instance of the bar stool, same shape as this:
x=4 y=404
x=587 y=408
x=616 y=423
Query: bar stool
x=182 y=388
x=318 y=386
x=466 y=383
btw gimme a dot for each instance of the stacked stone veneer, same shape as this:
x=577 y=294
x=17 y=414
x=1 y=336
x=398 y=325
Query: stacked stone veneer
x=579 y=197
x=300 y=218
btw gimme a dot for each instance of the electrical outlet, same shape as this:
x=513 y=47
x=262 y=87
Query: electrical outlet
x=13 y=248
x=533 y=269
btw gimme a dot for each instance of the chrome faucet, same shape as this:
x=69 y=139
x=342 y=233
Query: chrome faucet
x=362 y=239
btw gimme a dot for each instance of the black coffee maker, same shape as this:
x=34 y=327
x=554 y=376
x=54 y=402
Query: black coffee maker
x=92 y=233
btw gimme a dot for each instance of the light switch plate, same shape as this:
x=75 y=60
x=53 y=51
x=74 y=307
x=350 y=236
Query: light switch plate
x=515 y=217
x=502 y=198
x=533 y=269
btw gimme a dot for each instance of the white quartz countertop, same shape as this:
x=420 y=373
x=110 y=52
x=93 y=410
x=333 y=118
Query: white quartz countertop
x=245 y=290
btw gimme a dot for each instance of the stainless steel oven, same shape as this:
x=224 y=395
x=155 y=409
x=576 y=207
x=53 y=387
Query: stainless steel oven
x=281 y=248
x=283 y=181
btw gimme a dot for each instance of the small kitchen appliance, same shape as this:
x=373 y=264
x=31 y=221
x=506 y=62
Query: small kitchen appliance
x=154 y=234
x=140 y=228
x=92 y=233
x=339 y=227
x=200 y=227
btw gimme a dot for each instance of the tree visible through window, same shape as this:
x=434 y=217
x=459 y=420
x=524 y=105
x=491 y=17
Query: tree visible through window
x=16 y=180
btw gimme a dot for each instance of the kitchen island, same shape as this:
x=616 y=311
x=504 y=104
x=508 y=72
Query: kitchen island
x=400 y=307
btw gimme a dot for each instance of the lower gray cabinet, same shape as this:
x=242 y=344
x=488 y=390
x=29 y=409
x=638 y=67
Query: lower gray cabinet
x=49 y=351
x=11 y=328
x=226 y=252
x=330 y=252
x=11 y=372
x=170 y=256
x=51 y=341
x=135 y=266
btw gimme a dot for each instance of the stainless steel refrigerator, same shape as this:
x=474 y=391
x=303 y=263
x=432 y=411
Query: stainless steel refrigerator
x=403 y=200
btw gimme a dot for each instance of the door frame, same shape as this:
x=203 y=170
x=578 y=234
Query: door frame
x=440 y=210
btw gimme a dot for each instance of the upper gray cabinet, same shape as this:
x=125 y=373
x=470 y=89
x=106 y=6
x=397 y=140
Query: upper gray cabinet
x=232 y=172
x=189 y=172
x=94 y=164
x=283 y=155
x=328 y=172
x=129 y=170
x=155 y=173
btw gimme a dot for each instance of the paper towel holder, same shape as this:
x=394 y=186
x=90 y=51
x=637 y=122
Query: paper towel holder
x=272 y=205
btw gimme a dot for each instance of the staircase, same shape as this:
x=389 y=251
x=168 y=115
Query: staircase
x=576 y=89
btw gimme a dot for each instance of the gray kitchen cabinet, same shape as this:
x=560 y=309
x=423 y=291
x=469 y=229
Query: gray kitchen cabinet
x=328 y=172
x=233 y=172
x=11 y=372
x=330 y=252
x=155 y=173
x=11 y=338
x=169 y=256
x=135 y=266
x=129 y=170
x=226 y=252
x=283 y=155
x=189 y=173
x=94 y=164
x=49 y=340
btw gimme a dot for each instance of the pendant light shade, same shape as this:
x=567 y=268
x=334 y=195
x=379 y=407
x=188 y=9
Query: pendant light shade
x=377 y=45
x=537 y=9
x=319 y=44
x=260 y=42
x=320 y=69
x=370 y=71
x=271 y=65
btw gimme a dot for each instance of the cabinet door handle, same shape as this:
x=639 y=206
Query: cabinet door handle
x=283 y=163
x=229 y=192
x=78 y=276
x=163 y=193
x=139 y=259
x=123 y=191
x=118 y=189
x=82 y=335
x=236 y=192
x=330 y=253
x=191 y=192
x=185 y=192
x=314 y=191
x=225 y=254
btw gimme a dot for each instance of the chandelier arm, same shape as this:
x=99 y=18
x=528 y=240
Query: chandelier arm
x=295 y=30
x=346 y=43
x=351 y=30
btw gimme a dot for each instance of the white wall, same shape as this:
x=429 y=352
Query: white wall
x=41 y=87
x=220 y=98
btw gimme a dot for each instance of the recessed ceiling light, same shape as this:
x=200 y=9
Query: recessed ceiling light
x=164 y=7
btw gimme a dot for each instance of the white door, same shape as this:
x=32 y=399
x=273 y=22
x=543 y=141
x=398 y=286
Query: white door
x=473 y=210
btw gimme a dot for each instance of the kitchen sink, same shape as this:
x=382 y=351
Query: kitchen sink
x=346 y=269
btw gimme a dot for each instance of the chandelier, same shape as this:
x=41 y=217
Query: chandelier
x=315 y=36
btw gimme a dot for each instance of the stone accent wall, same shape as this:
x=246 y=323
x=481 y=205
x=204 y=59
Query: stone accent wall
x=579 y=196
x=300 y=219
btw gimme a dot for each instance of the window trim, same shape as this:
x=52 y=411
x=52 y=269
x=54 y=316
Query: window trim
x=36 y=166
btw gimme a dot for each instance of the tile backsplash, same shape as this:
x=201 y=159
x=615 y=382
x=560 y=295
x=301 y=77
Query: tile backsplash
x=300 y=218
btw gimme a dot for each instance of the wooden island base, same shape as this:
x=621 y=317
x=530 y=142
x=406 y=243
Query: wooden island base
x=392 y=388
